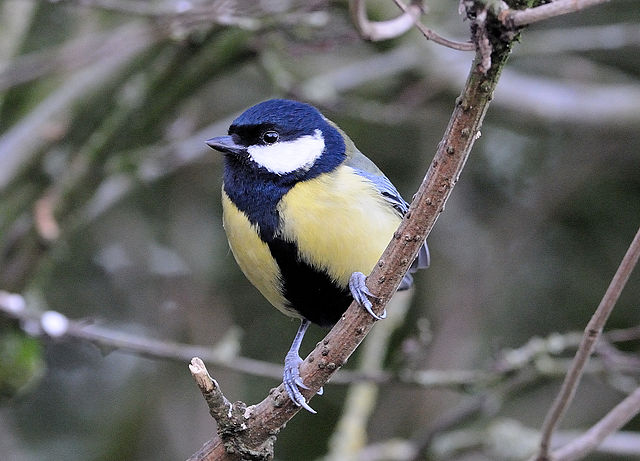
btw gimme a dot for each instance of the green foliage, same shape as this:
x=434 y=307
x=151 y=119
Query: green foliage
x=21 y=362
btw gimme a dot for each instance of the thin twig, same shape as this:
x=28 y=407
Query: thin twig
x=221 y=355
x=433 y=36
x=382 y=30
x=591 y=335
x=518 y=18
x=620 y=415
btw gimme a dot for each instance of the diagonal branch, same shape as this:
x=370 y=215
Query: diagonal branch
x=620 y=415
x=592 y=333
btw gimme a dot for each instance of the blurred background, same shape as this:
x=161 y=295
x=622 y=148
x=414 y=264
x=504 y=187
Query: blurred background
x=110 y=215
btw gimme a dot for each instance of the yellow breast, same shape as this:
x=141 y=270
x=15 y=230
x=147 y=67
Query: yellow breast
x=339 y=221
x=253 y=255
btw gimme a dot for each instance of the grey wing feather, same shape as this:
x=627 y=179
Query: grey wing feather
x=367 y=169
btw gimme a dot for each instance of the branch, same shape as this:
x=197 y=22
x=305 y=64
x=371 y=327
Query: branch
x=620 y=415
x=591 y=335
x=433 y=36
x=18 y=145
x=265 y=419
x=223 y=354
x=219 y=407
x=382 y=30
x=517 y=18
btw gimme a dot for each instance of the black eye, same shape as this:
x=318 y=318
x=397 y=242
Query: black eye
x=269 y=137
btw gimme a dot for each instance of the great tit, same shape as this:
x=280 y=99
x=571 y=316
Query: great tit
x=306 y=215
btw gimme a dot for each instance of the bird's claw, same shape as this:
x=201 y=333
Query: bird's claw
x=361 y=294
x=293 y=383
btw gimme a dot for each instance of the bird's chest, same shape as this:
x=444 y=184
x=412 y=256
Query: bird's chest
x=339 y=223
x=325 y=229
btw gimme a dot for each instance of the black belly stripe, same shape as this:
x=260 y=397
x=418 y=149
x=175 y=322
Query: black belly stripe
x=310 y=292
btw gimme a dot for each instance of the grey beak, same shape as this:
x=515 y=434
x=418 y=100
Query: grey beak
x=226 y=145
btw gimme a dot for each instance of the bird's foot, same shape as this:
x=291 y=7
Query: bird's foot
x=361 y=294
x=293 y=383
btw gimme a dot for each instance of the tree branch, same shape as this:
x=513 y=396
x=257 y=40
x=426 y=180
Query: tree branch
x=591 y=335
x=433 y=36
x=620 y=415
x=382 y=30
x=518 y=18
x=224 y=353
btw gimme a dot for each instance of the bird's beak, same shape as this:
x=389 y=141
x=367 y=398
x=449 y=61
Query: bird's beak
x=226 y=145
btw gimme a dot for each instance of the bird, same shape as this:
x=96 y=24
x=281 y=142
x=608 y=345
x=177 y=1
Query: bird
x=306 y=215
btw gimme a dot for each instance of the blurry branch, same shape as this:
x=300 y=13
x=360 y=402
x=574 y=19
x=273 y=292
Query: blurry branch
x=23 y=248
x=217 y=11
x=592 y=333
x=547 y=98
x=518 y=18
x=15 y=18
x=22 y=141
x=85 y=50
x=620 y=415
x=537 y=351
x=186 y=14
x=383 y=30
x=350 y=433
x=507 y=439
x=223 y=355
x=581 y=38
x=76 y=54
x=327 y=86
x=388 y=450
x=560 y=100
x=434 y=37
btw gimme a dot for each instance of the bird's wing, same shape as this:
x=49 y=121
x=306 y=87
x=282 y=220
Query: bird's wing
x=367 y=169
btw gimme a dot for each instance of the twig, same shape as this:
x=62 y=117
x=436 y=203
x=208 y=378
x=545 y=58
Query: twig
x=517 y=18
x=434 y=37
x=382 y=30
x=589 y=441
x=591 y=334
x=219 y=406
x=223 y=353
x=620 y=443
x=230 y=417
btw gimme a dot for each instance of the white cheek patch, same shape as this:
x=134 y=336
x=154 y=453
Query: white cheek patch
x=287 y=156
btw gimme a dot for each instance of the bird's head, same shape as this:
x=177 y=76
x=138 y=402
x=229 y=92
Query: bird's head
x=282 y=138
